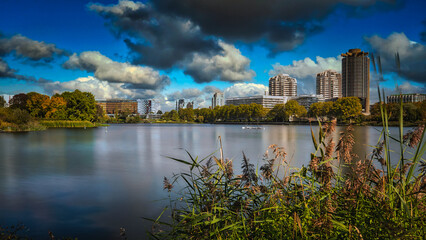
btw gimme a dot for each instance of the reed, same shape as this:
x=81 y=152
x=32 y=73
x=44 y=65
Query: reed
x=338 y=196
x=67 y=124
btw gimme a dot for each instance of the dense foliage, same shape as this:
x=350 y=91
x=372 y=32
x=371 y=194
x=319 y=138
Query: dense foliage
x=338 y=196
x=26 y=110
x=241 y=113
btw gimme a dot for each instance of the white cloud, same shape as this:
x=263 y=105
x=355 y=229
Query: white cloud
x=245 y=89
x=108 y=70
x=229 y=66
x=100 y=89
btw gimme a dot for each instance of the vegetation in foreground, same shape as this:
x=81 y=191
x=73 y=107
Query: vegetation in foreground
x=338 y=196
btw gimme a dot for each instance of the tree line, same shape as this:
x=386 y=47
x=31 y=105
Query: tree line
x=74 y=106
x=344 y=108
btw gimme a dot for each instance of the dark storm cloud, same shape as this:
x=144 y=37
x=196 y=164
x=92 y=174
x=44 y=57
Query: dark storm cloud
x=187 y=93
x=24 y=47
x=7 y=72
x=163 y=40
x=423 y=34
x=211 y=89
x=281 y=24
x=412 y=55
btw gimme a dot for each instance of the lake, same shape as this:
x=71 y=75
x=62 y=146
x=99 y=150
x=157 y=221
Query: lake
x=87 y=183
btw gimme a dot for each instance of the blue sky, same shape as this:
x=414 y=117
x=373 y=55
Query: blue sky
x=168 y=49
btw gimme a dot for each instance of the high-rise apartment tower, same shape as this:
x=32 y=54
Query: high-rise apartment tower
x=218 y=99
x=356 y=76
x=329 y=84
x=283 y=85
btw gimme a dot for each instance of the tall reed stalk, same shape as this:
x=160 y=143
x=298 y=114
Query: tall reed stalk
x=338 y=196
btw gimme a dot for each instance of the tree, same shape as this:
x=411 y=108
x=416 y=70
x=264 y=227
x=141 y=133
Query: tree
x=80 y=105
x=2 y=102
x=159 y=112
x=19 y=101
x=292 y=108
x=186 y=114
x=37 y=104
x=347 y=107
x=277 y=113
x=57 y=108
x=316 y=109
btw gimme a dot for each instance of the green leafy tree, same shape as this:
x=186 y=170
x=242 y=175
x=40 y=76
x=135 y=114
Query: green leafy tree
x=2 y=102
x=292 y=108
x=316 y=109
x=80 y=105
x=159 y=112
x=186 y=114
x=277 y=113
x=347 y=107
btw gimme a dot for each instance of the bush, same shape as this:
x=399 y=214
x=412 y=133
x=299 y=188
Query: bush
x=338 y=196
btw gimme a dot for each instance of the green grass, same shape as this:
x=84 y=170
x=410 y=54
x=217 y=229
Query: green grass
x=338 y=196
x=67 y=124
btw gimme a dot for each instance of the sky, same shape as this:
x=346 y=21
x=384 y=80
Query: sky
x=168 y=49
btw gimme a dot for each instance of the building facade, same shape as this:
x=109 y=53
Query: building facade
x=7 y=98
x=180 y=104
x=218 y=99
x=406 y=98
x=148 y=106
x=308 y=100
x=116 y=106
x=283 y=85
x=266 y=101
x=329 y=84
x=356 y=76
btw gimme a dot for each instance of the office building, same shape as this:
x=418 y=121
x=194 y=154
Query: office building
x=283 y=85
x=356 y=76
x=308 y=100
x=406 y=98
x=218 y=99
x=266 y=101
x=148 y=106
x=180 y=104
x=116 y=106
x=329 y=84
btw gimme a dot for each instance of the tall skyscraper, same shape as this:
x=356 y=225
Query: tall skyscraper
x=180 y=104
x=329 y=84
x=283 y=85
x=218 y=99
x=356 y=76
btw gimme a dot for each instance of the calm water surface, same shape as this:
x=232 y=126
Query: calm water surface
x=87 y=183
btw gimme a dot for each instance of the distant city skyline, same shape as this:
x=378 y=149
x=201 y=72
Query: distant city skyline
x=169 y=50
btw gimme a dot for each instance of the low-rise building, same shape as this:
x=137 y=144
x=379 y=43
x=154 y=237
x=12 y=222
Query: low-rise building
x=265 y=100
x=308 y=100
x=406 y=98
x=116 y=106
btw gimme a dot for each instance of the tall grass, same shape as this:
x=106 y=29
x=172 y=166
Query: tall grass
x=338 y=196
x=67 y=124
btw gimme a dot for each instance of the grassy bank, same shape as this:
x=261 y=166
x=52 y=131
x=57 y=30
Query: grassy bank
x=26 y=127
x=68 y=124
x=339 y=195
